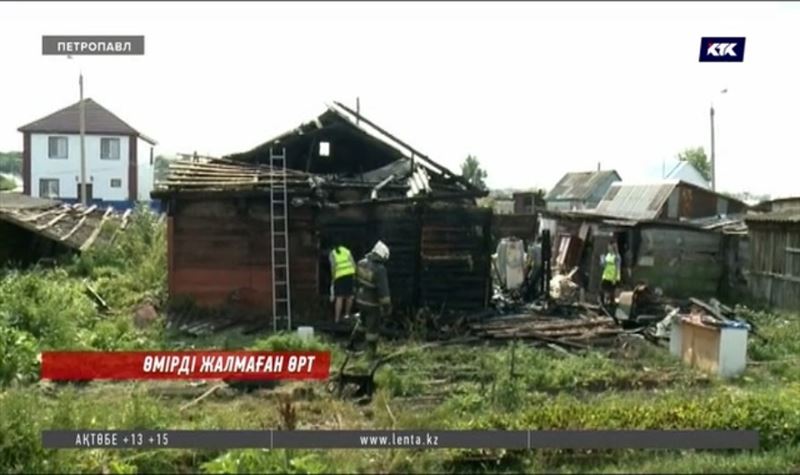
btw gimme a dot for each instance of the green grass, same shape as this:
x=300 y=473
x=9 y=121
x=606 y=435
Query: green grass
x=634 y=385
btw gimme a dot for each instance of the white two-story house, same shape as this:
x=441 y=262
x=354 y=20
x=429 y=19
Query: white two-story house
x=119 y=159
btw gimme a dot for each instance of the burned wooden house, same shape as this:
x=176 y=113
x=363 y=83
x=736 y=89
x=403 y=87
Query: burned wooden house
x=347 y=180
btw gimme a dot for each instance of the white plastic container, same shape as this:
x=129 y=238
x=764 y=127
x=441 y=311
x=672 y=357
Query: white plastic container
x=722 y=351
x=306 y=333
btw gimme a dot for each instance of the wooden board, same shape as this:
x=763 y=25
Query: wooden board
x=700 y=346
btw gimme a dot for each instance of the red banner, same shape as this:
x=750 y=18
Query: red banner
x=233 y=365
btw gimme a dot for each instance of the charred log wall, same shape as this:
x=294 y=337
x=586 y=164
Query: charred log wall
x=220 y=254
x=455 y=257
x=359 y=228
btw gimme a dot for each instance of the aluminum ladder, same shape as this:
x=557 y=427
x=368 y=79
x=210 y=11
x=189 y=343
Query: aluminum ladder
x=279 y=235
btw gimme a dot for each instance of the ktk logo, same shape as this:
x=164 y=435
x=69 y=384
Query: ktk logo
x=722 y=50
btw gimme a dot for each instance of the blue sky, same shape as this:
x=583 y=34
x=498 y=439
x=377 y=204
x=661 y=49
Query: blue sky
x=533 y=89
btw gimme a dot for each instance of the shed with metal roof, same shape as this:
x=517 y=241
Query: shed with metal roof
x=580 y=190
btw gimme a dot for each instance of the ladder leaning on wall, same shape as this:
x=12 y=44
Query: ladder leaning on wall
x=279 y=242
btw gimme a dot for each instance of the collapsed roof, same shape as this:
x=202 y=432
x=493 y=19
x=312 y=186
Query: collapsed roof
x=72 y=226
x=343 y=145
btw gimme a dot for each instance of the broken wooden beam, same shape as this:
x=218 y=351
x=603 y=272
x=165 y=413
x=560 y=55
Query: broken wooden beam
x=89 y=210
x=96 y=297
x=73 y=230
x=53 y=221
x=201 y=397
x=125 y=216
x=97 y=230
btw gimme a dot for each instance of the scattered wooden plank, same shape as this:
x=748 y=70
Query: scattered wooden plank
x=558 y=348
x=74 y=229
x=53 y=221
x=89 y=210
x=389 y=411
x=125 y=216
x=96 y=231
x=38 y=216
x=708 y=308
x=225 y=324
x=201 y=397
x=97 y=298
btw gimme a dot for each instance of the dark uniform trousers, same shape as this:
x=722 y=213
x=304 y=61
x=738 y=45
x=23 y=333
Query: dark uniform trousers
x=372 y=320
x=373 y=299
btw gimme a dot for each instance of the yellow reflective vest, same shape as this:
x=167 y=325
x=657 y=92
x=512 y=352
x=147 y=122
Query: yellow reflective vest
x=610 y=268
x=343 y=262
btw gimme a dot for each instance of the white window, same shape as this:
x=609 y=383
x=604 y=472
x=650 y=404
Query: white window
x=116 y=183
x=57 y=147
x=109 y=149
x=48 y=188
x=324 y=149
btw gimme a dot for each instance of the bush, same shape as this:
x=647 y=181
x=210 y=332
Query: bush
x=134 y=267
x=20 y=439
x=18 y=356
x=290 y=342
x=43 y=309
x=774 y=413
x=48 y=305
x=267 y=461
x=778 y=335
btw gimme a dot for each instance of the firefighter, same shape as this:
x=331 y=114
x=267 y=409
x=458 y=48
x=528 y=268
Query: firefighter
x=610 y=264
x=373 y=296
x=343 y=269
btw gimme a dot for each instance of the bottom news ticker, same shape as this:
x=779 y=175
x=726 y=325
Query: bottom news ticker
x=377 y=439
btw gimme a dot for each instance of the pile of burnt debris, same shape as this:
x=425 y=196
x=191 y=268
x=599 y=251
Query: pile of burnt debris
x=564 y=320
x=578 y=333
x=548 y=307
x=186 y=318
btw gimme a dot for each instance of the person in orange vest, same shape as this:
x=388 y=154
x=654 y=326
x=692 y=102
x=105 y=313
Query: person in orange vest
x=343 y=270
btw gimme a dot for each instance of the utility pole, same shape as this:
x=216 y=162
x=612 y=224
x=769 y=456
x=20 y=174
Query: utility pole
x=82 y=108
x=713 y=174
x=713 y=166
